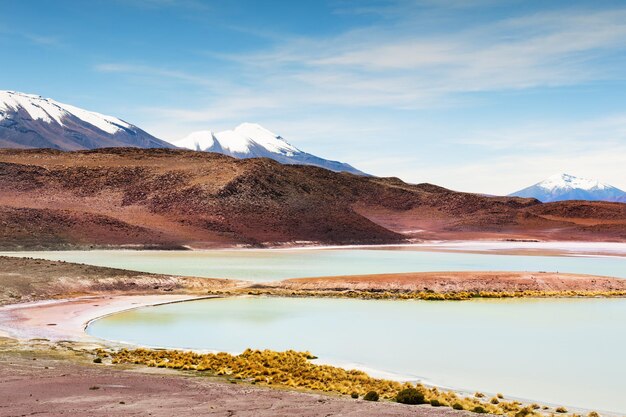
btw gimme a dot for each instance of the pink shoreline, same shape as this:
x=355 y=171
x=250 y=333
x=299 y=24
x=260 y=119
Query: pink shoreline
x=66 y=319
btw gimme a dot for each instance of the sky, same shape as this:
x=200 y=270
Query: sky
x=485 y=96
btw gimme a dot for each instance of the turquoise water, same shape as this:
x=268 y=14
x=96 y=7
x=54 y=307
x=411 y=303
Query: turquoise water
x=269 y=265
x=558 y=351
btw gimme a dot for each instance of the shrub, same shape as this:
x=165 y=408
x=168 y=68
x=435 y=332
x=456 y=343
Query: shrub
x=499 y=395
x=593 y=414
x=458 y=406
x=479 y=395
x=435 y=403
x=97 y=360
x=524 y=412
x=495 y=400
x=410 y=396
x=479 y=409
x=561 y=410
x=371 y=396
x=355 y=395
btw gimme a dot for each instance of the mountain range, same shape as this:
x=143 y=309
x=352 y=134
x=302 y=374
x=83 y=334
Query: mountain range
x=31 y=121
x=562 y=187
x=250 y=140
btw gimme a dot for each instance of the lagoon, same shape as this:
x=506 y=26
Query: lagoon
x=558 y=351
x=269 y=265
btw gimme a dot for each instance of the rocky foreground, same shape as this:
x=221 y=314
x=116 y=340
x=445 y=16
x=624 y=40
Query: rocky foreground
x=35 y=380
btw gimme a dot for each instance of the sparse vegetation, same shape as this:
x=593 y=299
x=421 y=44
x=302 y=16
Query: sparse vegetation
x=410 y=396
x=371 y=396
x=416 y=295
x=293 y=369
x=561 y=410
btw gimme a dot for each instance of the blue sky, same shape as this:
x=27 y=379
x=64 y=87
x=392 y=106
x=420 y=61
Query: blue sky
x=487 y=95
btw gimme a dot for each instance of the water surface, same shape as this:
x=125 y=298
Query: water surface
x=269 y=265
x=560 y=351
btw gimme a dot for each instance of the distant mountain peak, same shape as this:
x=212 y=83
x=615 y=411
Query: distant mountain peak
x=32 y=121
x=251 y=140
x=51 y=111
x=563 y=186
x=567 y=181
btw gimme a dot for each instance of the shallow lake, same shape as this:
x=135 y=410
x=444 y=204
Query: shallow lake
x=558 y=351
x=269 y=265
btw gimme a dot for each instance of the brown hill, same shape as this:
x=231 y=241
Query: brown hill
x=167 y=198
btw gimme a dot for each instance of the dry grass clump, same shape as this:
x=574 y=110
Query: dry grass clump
x=294 y=370
x=418 y=295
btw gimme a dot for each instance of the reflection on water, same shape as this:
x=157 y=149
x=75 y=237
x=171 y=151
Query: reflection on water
x=560 y=351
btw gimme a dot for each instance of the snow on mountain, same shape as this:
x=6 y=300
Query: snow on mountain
x=31 y=121
x=250 y=140
x=561 y=187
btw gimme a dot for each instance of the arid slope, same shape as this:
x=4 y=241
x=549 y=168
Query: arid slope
x=26 y=279
x=168 y=198
x=449 y=282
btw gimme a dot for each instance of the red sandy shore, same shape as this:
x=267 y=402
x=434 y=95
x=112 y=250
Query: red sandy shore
x=459 y=281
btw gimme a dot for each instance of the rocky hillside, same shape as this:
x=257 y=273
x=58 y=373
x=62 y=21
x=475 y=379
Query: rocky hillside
x=169 y=198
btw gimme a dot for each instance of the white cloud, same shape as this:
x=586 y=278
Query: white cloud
x=391 y=65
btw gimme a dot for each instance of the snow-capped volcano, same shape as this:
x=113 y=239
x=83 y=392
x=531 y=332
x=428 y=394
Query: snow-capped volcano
x=250 y=140
x=561 y=187
x=31 y=121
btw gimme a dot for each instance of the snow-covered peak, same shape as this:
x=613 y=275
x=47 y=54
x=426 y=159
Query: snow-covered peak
x=245 y=137
x=250 y=140
x=570 y=182
x=197 y=141
x=51 y=111
x=561 y=187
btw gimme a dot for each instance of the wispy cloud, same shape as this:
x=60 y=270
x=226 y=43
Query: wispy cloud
x=394 y=65
x=157 y=73
x=46 y=40
x=386 y=66
x=592 y=148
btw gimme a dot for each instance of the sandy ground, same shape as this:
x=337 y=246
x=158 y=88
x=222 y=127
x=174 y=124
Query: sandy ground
x=505 y=247
x=57 y=320
x=458 y=281
x=552 y=248
x=26 y=279
x=50 y=383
